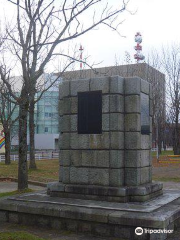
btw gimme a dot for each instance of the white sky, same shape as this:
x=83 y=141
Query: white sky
x=157 y=20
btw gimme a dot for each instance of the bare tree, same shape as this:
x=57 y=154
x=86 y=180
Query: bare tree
x=6 y=111
x=41 y=27
x=157 y=80
x=6 y=115
x=171 y=67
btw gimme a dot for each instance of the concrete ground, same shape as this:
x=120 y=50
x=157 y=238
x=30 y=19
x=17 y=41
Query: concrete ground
x=7 y=186
x=171 y=185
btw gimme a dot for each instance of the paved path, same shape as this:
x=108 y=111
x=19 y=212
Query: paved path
x=8 y=186
x=171 y=185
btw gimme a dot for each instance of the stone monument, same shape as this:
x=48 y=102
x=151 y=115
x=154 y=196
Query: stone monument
x=105 y=140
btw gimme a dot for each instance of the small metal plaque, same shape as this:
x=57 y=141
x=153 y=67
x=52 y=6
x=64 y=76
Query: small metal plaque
x=90 y=112
x=145 y=118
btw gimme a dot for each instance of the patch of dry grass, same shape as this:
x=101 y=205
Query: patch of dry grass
x=47 y=170
x=18 y=236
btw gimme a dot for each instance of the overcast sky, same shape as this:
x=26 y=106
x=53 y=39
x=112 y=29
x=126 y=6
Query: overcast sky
x=157 y=20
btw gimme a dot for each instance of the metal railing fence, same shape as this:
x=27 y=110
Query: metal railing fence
x=38 y=156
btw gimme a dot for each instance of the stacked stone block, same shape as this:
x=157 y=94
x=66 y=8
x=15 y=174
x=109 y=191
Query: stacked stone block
x=116 y=164
x=93 y=159
x=137 y=146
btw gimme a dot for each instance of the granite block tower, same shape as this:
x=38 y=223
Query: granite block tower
x=105 y=140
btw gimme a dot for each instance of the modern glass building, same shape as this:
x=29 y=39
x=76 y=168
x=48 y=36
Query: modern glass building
x=46 y=113
x=46 y=118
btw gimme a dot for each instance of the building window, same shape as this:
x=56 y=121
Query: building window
x=46 y=129
x=90 y=112
x=48 y=115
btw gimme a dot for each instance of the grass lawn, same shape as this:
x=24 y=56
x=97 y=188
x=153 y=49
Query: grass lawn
x=167 y=179
x=47 y=170
x=164 y=153
x=18 y=236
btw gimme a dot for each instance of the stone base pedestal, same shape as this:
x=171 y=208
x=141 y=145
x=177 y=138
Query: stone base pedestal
x=139 y=193
x=157 y=218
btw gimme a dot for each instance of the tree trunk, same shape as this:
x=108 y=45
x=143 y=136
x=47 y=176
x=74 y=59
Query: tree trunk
x=159 y=147
x=22 y=166
x=176 y=146
x=160 y=139
x=7 y=146
x=32 y=163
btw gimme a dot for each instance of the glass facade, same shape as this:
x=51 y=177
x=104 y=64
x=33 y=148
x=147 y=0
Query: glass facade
x=46 y=113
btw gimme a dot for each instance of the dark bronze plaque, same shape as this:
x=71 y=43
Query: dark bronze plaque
x=90 y=112
x=145 y=121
